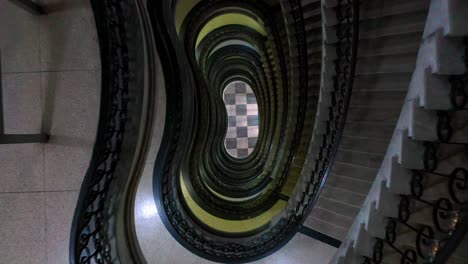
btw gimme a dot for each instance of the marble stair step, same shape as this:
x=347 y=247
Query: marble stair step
x=378 y=99
x=326 y=228
x=342 y=195
x=387 y=63
x=398 y=44
x=362 y=144
x=370 y=114
x=397 y=81
x=348 y=183
x=345 y=209
x=371 y=130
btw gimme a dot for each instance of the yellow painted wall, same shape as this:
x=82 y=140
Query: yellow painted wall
x=230 y=226
x=230 y=19
x=183 y=7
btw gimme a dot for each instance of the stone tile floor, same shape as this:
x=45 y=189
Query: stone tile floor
x=51 y=82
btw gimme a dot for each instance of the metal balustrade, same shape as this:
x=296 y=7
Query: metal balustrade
x=94 y=234
x=434 y=242
x=98 y=219
x=180 y=223
x=102 y=229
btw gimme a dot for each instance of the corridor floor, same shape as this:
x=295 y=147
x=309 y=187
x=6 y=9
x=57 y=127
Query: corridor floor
x=51 y=82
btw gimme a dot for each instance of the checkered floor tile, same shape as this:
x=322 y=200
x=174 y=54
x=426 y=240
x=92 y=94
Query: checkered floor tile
x=243 y=119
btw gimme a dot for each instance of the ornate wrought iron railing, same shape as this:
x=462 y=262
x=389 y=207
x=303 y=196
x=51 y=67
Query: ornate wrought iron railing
x=347 y=32
x=268 y=157
x=167 y=191
x=447 y=224
x=102 y=231
x=433 y=242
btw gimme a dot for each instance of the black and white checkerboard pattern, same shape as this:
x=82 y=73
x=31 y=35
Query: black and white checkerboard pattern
x=243 y=119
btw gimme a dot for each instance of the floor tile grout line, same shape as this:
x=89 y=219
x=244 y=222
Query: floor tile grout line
x=52 y=71
x=43 y=145
x=47 y=195
x=31 y=192
x=46 y=229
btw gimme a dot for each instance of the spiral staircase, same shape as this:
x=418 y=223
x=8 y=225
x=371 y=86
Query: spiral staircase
x=386 y=60
x=362 y=150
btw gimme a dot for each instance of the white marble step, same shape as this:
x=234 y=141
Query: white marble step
x=442 y=55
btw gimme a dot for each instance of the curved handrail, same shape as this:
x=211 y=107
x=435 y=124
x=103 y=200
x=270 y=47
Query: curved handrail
x=354 y=4
x=102 y=229
x=198 y=240
x=218 y=159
